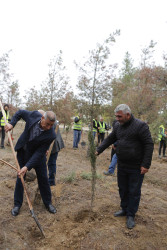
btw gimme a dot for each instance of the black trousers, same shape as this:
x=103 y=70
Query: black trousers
x=129 y=183
x=101 y=137
x=113 y=151
x=162 y=144
x=2 y=136
x=43 y=182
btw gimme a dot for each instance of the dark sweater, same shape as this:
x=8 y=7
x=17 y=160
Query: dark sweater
x=134 y=144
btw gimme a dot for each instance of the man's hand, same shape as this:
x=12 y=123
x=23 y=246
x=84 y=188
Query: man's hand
x=8 y=127
x=22 y=171
x=96 y=153
x=143 y=170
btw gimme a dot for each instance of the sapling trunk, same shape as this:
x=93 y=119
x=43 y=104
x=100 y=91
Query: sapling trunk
x=92 y=156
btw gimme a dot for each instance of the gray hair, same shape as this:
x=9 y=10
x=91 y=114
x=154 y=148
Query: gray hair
x=124 y=108
x=50 y=115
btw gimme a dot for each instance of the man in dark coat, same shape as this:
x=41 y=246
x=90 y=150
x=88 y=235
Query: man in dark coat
x=134 y=151
x=31 y=150
x=57 y=146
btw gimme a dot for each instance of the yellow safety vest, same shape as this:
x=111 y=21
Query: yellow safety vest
x=78 y=125
x=102 y=127
x=95 y=129
x=3 y=121
x=161 y=129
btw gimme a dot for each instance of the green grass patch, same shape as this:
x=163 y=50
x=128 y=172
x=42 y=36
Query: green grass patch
x=88 y=176
x=70 y=178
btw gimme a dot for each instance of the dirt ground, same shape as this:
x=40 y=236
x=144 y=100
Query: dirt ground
x=75 y=226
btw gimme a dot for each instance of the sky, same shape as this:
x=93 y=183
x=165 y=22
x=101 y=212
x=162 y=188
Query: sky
x=36 y=30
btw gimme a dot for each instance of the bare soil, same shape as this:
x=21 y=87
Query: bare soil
x=75 y=225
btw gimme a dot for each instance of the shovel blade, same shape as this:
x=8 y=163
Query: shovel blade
x=37 y=222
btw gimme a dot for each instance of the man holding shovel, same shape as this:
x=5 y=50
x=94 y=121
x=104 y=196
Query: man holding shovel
x=31 y=150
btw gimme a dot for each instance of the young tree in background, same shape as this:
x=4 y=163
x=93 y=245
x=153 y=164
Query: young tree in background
x=5 y=76
x=64 y=109
x=96 y=74
x=13 y=94
x=123 y=83
x=32 y=99
x=147 y=53
x=57 y=83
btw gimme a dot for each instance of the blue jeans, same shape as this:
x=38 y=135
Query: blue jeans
x=52 y=168
x=113 y=164
x=129 y=183
x=76 y=139
x=94 y=134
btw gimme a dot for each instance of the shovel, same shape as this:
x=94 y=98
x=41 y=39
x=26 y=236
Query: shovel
x=22 y=179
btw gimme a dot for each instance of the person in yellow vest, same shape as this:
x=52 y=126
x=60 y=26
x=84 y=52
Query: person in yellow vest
x=102 y=127
x=162 y=140
x=2 y=124
x=95 y=127
x=77 y=128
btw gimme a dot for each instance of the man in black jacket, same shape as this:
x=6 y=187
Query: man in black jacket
x=134 y=151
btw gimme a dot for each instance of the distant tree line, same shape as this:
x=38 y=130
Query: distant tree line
x=100 y=87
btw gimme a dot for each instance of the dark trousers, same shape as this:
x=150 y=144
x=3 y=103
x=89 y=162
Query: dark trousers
x=162 y=144
x=2 y=136
x=113 y=151
x=52 y=168
x=101 y=137
x=44 y=187
x=129 y=183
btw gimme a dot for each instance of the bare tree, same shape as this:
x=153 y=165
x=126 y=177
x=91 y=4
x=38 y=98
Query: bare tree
x=32 y=99
x=13 y=94
x=57 y=83
x=5 y=76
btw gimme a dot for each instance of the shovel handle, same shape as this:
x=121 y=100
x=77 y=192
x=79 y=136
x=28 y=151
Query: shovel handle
x=9 y=164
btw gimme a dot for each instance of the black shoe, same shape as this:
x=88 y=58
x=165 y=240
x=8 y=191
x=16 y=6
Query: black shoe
x=2 y=147
x=130 y=222
x=15 y=211
x=51 y=209
x=120 y=213
x=107 y=173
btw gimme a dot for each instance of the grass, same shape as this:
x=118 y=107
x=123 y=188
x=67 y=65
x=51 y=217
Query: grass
x=70 y=178
x=88 y=176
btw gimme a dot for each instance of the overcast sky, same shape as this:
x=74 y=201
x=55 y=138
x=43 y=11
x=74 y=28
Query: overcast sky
x=35 y=30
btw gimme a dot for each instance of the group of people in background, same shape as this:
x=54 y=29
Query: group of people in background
x=99 y=129
x=132 y=149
